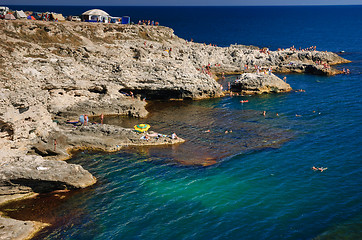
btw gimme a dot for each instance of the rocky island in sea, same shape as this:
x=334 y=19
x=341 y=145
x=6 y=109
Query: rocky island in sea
x=53 y=72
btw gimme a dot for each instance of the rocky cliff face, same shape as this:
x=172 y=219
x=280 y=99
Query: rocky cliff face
x=82 y=62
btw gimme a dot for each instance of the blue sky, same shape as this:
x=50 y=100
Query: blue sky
x=181 y=2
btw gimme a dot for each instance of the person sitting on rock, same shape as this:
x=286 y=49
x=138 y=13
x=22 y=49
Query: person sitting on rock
x=81 y=119
x=145 y=137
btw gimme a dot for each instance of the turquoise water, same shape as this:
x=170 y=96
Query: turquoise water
x=262 y=185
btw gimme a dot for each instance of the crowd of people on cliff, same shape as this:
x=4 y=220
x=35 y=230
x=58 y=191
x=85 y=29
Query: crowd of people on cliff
x=207 y=69
x=265 y=50
x=292 y=48
x=148 y=22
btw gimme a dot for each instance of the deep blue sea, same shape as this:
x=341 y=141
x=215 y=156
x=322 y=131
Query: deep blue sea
x=262 y=185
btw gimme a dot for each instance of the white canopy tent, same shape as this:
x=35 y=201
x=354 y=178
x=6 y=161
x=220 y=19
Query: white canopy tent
x=95 y=15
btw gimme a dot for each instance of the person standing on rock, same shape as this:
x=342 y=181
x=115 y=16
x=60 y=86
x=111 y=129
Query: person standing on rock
x=55 y=145
x=85 y=120
x=102 y=118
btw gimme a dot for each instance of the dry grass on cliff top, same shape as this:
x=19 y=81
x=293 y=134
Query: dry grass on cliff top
x=71 y=34
x=40 y=32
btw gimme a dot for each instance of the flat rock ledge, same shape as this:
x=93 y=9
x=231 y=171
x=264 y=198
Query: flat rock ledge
x=15 y=229
x=96 y=137
x=43 y=175
x=252 y=83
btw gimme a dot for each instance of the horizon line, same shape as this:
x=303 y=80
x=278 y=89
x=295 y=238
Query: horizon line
x=276 y=5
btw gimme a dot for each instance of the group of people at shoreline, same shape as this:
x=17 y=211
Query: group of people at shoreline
x=148 y=136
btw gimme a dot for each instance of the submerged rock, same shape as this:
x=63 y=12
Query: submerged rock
x=250 y=83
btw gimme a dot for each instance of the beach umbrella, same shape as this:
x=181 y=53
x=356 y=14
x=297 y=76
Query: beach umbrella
x=142 y=127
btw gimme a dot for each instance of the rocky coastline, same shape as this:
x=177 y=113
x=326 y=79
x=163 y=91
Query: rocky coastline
x=53 y=72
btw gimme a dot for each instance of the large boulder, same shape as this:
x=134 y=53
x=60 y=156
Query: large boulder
x=43 y=175
x=251 y=83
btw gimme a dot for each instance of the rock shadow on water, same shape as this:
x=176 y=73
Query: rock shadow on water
x=48 y=208
x=211 y=133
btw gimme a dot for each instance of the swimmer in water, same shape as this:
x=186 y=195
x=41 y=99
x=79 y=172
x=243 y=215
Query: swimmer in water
x=321 y=169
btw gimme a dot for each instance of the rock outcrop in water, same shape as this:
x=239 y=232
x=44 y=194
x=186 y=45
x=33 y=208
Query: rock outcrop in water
x=51 y=72
x=42 y=175
x=250 y=83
